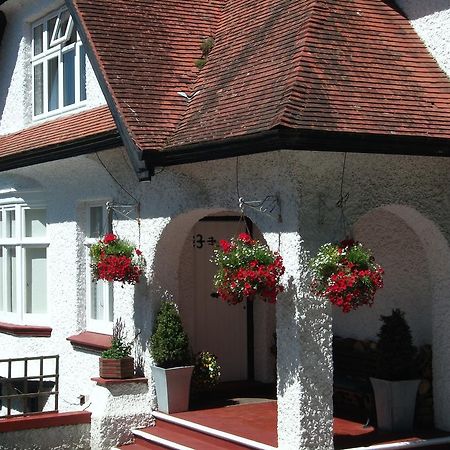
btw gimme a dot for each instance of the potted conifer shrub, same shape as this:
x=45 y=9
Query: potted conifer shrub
x=172 y=358
x=116 y=362
x=395 y=387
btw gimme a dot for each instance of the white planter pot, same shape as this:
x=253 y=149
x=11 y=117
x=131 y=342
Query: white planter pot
x=172 y=388
x=395 y=403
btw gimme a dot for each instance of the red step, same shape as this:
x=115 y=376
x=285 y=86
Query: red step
x=171 y=432
x=189 y=438
x=140 y=446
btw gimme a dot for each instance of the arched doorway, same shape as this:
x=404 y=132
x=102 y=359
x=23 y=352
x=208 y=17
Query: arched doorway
x=416 y=257
x=242 y=336
x=216 y=326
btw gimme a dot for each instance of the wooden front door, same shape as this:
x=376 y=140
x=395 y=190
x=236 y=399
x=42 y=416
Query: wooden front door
x=219 y=327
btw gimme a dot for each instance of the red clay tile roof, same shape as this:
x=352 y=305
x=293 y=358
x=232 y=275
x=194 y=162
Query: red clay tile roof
x=332 y=65
x=302 y=66
x=146 y=50
x=51 y=135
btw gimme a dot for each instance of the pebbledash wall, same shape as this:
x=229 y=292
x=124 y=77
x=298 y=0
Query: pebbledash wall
x=15 y=57
x=71 y=437
x=431 y=21
x=395 y=203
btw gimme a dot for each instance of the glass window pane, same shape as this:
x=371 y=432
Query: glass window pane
x=69 y=77
x=10 y=223
x=63 y=22
x=50 y=28
x=36 y=280
x=82 y=74
x=1 y=226
x=62 y=29
x=52 y=84
x=38 y=89
x=72 y=38
x=11 y=288
x=35 y=222
x=111 y=302
x=38 y=39
x=95 y=221
x=2 y=306
x=97 y=299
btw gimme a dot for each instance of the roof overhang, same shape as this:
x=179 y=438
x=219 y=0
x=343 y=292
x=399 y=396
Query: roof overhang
x=307 y=140
x=82 y=146
x=133 y=151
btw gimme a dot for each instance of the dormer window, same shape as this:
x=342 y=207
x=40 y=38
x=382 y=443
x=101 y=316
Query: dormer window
x=58 y=65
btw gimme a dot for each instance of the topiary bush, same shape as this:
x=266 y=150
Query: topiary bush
x=169 y=344
x=396 y=352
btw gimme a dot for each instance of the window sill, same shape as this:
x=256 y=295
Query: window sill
x=60 y=112
x=88 y=340
x=109 y=381
x=25 y=330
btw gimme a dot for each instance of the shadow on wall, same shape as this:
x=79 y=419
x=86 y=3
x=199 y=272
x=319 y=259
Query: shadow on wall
x=407 y=283
x=145 y=310
x=7 y=66
x=418 y=8
x=164 y=279
x=304 y=342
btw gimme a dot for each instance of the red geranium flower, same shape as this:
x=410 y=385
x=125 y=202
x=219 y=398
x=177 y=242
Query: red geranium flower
x=225 y=245
x=110 y=237
x=244 y=237
x=247 y=268
x=115 y=259
x=346 y=274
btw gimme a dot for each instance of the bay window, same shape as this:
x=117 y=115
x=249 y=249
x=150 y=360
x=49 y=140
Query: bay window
x=23 y=263
x=58 y=65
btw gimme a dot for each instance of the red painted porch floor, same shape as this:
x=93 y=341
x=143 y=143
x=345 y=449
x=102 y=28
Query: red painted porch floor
x=257 y=421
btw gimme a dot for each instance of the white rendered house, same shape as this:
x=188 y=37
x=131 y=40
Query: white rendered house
x=105 y=121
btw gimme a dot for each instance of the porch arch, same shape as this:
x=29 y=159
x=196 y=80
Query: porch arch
x=173 y=269
x=436 y=253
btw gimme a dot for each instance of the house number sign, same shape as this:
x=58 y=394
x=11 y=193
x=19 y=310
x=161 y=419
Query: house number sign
x=198 y=241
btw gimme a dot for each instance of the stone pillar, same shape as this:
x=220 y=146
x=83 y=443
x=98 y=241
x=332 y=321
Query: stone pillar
x=117 y=407
x=304 y=357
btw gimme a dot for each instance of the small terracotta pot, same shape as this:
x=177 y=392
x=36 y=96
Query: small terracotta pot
x=117 y=368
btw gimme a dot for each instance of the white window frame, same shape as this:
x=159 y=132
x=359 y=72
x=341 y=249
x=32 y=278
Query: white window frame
x=54 y=41
x=21 y=243
x=52 y=49
x=102 y=325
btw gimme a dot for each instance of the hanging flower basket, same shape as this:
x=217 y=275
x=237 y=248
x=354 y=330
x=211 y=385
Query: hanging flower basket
x=346 y=273
x=247 y=268
x=115 y=259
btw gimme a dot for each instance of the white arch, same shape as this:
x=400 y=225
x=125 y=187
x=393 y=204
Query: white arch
x=16 y=184
x=174 y=272
x=437 y=252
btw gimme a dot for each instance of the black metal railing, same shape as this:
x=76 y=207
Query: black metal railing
x=28 y=384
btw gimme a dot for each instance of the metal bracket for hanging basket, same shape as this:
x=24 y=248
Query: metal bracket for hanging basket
x=270 y=206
